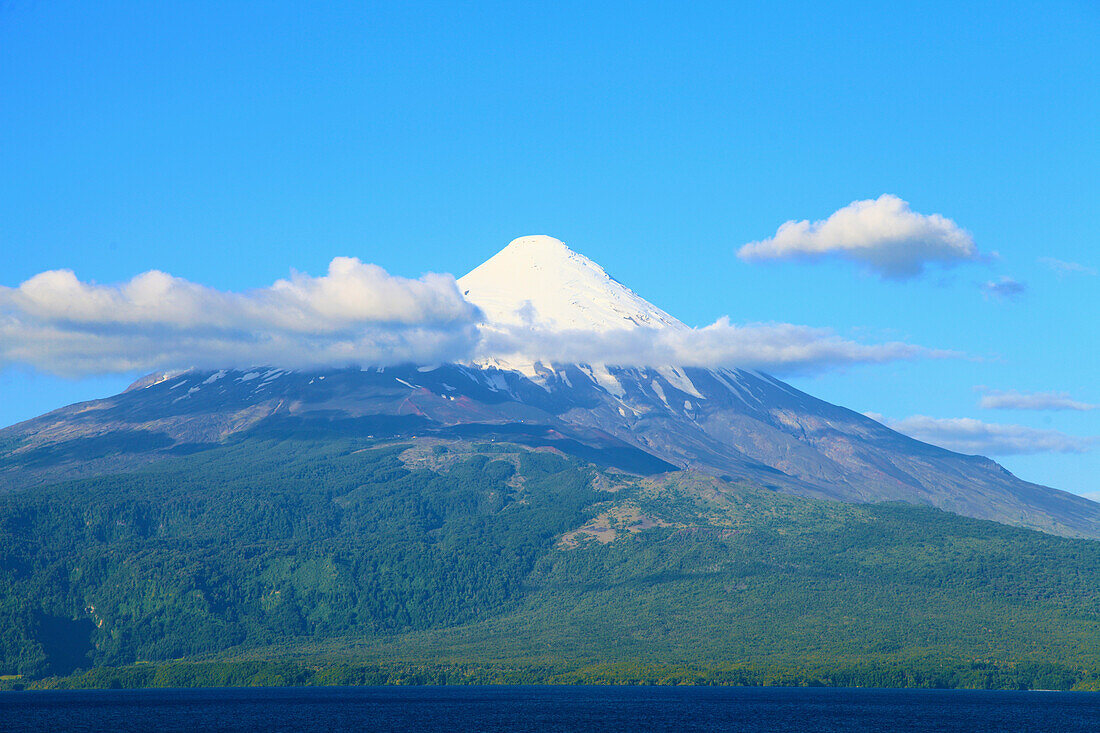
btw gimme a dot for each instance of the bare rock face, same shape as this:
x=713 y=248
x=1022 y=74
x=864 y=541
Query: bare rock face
x=742 y=425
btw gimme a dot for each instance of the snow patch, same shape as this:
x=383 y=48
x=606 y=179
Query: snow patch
x=679 y=379
x=599 y=375
x=735 y=385
x=660 y=392
x=272 y=374
x=496 y=382
x=215 y=376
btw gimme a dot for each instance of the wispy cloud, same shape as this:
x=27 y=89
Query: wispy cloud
x=781 y=348
x=1006 y=288
x=884 y=235
x=1013 y=400
x=1062 y=267
x=974 y=437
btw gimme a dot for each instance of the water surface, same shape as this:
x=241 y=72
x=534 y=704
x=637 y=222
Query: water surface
x=454 y=709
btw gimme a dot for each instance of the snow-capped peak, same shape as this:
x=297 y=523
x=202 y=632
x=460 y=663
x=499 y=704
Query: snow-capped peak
x=537 y=280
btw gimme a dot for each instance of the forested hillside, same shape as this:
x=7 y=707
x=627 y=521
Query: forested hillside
x=449 y=552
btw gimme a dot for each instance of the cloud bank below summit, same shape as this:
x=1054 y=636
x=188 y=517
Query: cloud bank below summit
x=357 y=313
x=780 y=348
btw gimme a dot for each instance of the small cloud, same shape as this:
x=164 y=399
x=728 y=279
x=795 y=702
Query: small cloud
x=1013 y=400
x=974 y=437
x=1006 y=288
x=1062 y=267
x=883 y=235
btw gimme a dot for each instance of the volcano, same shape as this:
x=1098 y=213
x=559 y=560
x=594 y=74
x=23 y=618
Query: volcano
x=739 y=425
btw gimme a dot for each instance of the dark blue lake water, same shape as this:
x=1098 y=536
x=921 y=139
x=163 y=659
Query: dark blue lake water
x=455 y=709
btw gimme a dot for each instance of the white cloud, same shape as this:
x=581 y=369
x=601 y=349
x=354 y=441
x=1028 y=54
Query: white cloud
x=351 y=293
x=359 y=314
x=1013 y=400
x=1006 y=288
x=883 y=235
x=356 y=313
x=974 y=437
x=1062 y=267
x=781 y=348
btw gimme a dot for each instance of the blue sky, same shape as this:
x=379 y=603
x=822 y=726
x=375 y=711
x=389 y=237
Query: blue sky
x=232 y=145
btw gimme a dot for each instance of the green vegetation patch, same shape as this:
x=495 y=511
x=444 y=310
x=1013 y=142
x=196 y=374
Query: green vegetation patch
x=339 y=562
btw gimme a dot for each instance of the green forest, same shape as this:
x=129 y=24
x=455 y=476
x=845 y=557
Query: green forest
x=287 y=560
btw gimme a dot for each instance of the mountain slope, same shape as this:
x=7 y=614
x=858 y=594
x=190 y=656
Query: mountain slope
x=458 y=552
x=741 y=424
